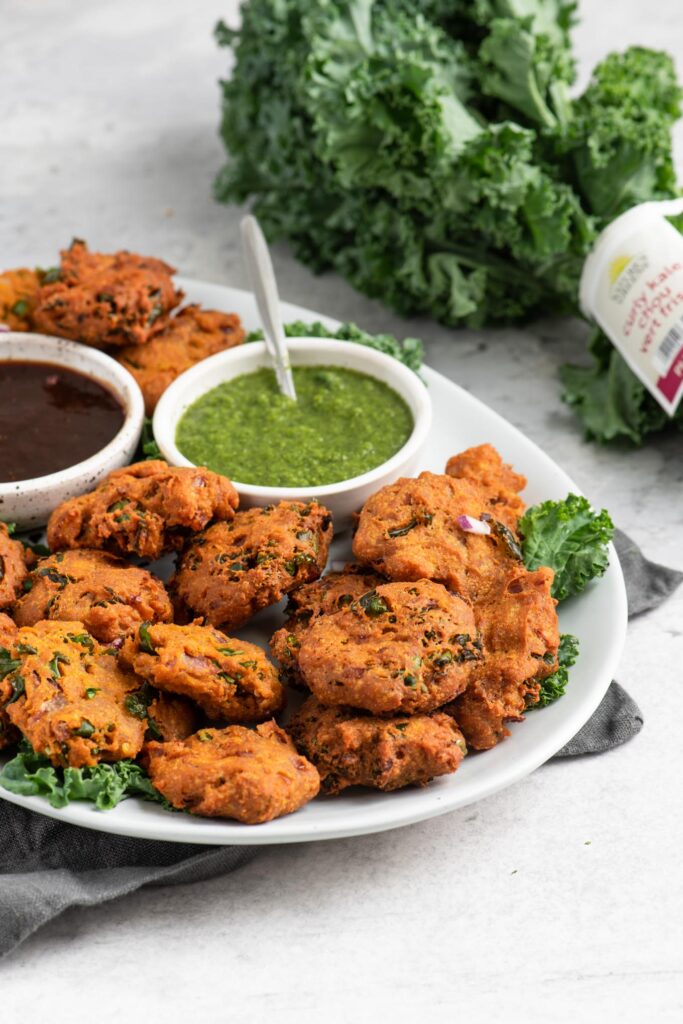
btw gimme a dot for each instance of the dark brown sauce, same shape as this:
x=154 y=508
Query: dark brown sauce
x=51 y=418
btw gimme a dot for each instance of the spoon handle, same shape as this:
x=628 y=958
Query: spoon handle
x=264 y=286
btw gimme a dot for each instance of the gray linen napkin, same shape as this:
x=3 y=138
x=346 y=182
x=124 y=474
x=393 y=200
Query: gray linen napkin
x=46 y=866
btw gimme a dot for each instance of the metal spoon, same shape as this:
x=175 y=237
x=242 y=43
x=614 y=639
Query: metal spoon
x=264 y=286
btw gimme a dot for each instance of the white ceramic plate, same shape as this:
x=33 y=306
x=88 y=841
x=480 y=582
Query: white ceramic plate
x=597 y=617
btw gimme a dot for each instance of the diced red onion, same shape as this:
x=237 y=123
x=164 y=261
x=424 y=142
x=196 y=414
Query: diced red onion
x=471 y=525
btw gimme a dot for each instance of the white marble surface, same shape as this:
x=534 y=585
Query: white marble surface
x=557 y=900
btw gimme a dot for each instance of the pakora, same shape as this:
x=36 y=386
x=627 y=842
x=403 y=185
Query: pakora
x=105 y=299
x=350 y=748
x=234 y=569
x=249 y=775
x=231 y=680
x=520 y=630
x=13 y=568
x=187 y=338
x=308 y=603
x=409 y=530
x=110 y=597
x=400 y=648
x=18 y=298
x=145 y=509
x=484 y=467
x=71 y=699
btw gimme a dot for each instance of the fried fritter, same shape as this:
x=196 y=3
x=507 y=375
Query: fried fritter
x=13 y=569
x=309 y=602
x=8 y=664
x=187 y=338
x=402 y=647
x=231 y=680
x=250 y=775
x=145 y=509
x=521 y=637
x=72 y=700
x=350 y=748
x=484 y=467
x=110 y=597
x=18 y=298
x=409 y=530
x=234 y=569
x=106 y=299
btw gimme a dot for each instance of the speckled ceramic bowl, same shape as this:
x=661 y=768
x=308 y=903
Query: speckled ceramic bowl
x=342 y=498
x=28 y=503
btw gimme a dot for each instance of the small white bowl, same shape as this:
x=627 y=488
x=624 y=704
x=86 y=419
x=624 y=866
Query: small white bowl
x=28 y=503
x=343 y=498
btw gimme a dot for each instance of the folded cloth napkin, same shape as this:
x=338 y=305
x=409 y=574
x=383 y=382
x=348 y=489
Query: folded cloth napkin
x=46 y=866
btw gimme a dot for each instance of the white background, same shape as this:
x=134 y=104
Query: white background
x=557 y=900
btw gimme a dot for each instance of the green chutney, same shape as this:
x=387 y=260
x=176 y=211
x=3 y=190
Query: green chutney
x=343 y=424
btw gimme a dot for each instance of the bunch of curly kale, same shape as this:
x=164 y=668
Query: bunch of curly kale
x=431 y=154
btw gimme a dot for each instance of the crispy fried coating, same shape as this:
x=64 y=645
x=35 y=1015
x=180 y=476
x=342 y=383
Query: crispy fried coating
x=234 y=569
x=144 y=509
x=231 y=680
x=13 y=569
x=401 y=648
x=187 y=338
x=72 y=698
x=309 y=602
x=484 y=467
x=521 y=637
x=110 y=597
x=18 y=298
x=9 y=735
x=350 y=748
x=409 y=531
x=250 y=775
x=106 y=299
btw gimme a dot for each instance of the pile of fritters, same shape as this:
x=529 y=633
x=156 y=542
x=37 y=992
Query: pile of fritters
x=434 y=638
x=428 y=644
x=94 y=668
x=123 y=303
x=424 y=647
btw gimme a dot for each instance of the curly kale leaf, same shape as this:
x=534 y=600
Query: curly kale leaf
x=409 y=351
x=527 y=62
x=612 y=403
x=569 y=537
x=554 y=686
x=432 y=156
x=356 y=129
x=104 y=785
x=620 y=137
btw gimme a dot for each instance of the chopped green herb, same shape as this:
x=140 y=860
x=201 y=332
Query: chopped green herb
x=56 y=662
x=84 y=639
x=85 y=729
x=18 y=685
x=508 y=538
x=372 y=604
x=146 y=644
x=26 y=649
